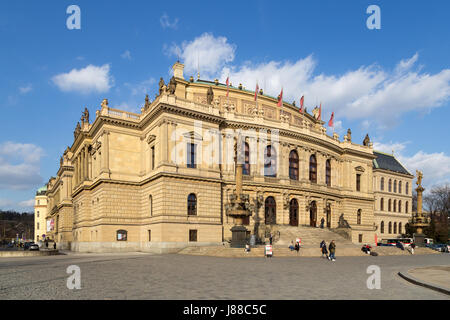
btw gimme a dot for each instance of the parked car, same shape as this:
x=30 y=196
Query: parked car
x=26 y=245
x=34 y=247
x=441 y=247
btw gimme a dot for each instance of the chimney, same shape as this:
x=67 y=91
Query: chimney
x=178 y=70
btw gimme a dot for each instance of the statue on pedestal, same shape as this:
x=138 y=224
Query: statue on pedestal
x=172 y=85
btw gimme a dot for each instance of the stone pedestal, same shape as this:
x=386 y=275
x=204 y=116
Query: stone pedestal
x=419 y=239
x=238 y=237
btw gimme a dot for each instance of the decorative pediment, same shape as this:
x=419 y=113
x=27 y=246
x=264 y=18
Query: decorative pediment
x=193 y=136
x=151 y=138
x=359 y=169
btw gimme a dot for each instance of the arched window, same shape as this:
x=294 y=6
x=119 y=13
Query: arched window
x=293 y=212
x=407 y=188
x=382 y=204
x=150 y=203
x=293 y=165
x=395 y=227
x=400 y=227
x=192 y=205
x=121 y=235
x=270 y=162
x=390 y=185
x=382 y=227
x=399 y=187
x=395 y=185
x=382 y=184
x=328 y=173
x=406 y=207
x=389 y=205
x=358 y=217
x=395 y=205
x=270 y=211
x=390 y=227
x=313 y=169
x=399 y=205
x=246 y=166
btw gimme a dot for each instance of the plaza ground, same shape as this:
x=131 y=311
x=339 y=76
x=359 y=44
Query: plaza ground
x=174 y=276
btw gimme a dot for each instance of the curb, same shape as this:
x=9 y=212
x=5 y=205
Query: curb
x=418 y=282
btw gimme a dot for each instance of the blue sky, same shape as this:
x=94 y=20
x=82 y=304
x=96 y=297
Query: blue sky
x=393 y=83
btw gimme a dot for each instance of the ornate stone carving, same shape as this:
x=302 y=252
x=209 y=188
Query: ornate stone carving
x=419 y=178
x=85 y=116
x=342 y=222
x=172 y=85
x=104 y=103
x=366 y=141
x=209 y=96
x=161 y=85
x=147 y=102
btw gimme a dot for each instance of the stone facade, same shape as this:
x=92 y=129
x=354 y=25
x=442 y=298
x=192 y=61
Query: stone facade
x=393 y=201
x=40 y=214
x=127 y=181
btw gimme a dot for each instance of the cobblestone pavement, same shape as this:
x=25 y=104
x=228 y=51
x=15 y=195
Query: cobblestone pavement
x=146 y=276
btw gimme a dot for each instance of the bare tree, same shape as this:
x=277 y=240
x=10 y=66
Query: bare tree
x=437 y=203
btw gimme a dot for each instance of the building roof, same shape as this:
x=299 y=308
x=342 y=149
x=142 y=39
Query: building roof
x=41 y=191
x=388 y=162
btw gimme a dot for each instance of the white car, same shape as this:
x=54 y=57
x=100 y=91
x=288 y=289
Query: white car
x=34 y=247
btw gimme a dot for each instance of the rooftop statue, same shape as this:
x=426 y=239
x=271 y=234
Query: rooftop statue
x=161 y=85
x=209 y=96
x=85 y=116
x=366 y=141
x=349 y=135
x=147 y=102
x=316 y=112
x=172 y=85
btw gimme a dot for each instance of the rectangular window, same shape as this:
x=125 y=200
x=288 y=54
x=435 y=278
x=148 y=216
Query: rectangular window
x=358 y=182
x=360 y=238
x=149 y=235
x=153 y=157
x=193 y=235
x=37 y=226
x=191 y=159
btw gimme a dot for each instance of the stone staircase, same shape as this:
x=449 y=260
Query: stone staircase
x=310 y=237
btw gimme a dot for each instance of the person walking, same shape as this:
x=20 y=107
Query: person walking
x=332 y=249
x=323 y=246
x=297 y=247
x=413 y=245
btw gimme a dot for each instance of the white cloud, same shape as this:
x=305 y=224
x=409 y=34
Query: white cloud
x=368 y=92
x=207 y=52
x=435 y=166
x=126 y=55
x=165 y=22
x=86 y=80
x=27 y=203
x=26 y=89
x=20 y=166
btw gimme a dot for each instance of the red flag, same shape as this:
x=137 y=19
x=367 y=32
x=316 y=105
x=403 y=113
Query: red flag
x=301 y=104
x=228 y=85
x=280 y=99
x=256 y=92
x=330 y=123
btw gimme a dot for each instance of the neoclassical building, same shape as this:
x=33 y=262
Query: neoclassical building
x=162 y=179
x=40 y=214
x=392 y=185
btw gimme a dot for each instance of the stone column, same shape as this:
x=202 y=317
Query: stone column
x=105 y=152
x=86 y=163
x=163 y=141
